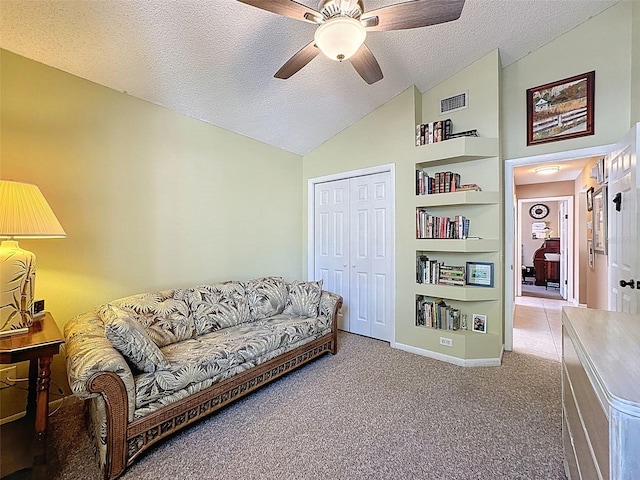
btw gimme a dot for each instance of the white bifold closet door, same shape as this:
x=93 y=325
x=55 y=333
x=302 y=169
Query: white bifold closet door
x=352 y=250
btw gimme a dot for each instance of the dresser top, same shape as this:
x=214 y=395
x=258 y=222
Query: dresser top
x=609 y=344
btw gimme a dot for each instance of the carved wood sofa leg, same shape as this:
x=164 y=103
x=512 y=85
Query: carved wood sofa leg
x=115 y=396
x=336 y=310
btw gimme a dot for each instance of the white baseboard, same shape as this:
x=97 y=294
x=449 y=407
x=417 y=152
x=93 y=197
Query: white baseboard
x=461 y=362
x=68 y=400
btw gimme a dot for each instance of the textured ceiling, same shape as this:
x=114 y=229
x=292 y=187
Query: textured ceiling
x=214 y=60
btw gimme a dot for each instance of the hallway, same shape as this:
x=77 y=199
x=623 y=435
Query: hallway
x=537 y=327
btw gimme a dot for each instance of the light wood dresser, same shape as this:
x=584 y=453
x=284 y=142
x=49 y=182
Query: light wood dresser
x=600 y=394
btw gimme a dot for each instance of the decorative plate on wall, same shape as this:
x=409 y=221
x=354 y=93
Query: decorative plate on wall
x=538 y=211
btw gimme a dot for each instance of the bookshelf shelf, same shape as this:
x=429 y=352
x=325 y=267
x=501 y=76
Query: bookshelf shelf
x=469 y=245
x=456 y=150
x=457 y=198
x=462 y=294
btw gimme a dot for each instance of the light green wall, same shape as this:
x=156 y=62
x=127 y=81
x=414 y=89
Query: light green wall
x=150 y=199
x=602 y=44
x=480 y=80
x=385 y=136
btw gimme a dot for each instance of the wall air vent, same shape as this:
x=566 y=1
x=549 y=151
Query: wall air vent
x=454 y=103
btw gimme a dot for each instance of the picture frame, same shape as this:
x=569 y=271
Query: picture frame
x=561 y=110
x=591 y=253
x=600 y=220
x=479 y=323
x=479 y=274
x=590 y=191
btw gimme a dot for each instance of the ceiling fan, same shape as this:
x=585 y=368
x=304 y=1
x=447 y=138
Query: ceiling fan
x=343 y=25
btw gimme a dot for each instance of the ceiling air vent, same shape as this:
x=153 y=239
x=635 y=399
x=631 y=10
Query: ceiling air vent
x=454 y=103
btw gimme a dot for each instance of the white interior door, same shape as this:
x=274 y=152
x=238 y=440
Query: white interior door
x=353 y=238
x=331 y=241
x=371 y=268
x=622 y=206
x=564 y=242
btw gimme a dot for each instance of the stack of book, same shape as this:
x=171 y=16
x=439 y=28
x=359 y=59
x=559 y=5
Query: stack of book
x=433 y=132
x=431 y=226
x=435 y=313
x=441 y=182
x=437 y=273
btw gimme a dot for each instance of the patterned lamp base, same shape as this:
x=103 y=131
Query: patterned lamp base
x=17 y=284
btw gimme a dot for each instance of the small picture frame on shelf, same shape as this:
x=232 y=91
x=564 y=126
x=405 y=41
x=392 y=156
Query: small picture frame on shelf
x=479 y=323
x=479 y=274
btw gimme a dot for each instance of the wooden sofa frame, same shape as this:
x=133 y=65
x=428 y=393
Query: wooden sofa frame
x=126 y=441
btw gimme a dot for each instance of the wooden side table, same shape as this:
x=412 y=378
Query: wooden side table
x=38 y=346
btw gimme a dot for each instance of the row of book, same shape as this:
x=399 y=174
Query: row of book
x=431 y=226
x=435 y=313
x=441 y=182
x=437 y=273
x=434 y=132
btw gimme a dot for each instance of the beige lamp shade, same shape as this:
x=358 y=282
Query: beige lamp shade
x=24 y=212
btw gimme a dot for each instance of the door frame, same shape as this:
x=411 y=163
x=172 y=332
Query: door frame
x=570 y=244
x=510 y=275
x=311 y=186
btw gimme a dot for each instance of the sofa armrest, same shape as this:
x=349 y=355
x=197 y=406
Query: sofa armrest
x=330 y=304
x=90 y=353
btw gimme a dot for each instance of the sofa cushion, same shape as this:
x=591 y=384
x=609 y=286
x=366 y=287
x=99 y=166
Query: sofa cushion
x=303 y=298
x=200 y=362
x=164 y=315
x=267 y=297
x=216 y=306
x=128 y=336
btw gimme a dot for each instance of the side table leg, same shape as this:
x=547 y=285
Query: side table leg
x=42 y=392
x=33 y=384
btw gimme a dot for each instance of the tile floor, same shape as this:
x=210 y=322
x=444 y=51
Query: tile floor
x=537 y=327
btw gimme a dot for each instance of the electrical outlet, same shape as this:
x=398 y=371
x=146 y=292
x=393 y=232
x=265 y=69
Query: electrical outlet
x=447 y=342
x=6 y=374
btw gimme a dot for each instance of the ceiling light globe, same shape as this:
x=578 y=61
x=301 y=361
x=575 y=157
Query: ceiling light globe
x=547 y=170
x=340 y=38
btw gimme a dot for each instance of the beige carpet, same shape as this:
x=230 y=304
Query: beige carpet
x=370 y=412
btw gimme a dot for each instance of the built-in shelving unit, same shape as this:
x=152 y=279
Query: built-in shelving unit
x=476 y=160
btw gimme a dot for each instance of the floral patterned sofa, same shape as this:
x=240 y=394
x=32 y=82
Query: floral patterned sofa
x=153 y=363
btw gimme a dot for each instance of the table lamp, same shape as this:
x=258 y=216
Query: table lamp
x=24 y=213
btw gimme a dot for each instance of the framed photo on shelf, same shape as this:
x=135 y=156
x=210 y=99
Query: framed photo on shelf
x=600 y=220
x=479 y=274
x=590 y=199
x=561 y=110
x=479 y=323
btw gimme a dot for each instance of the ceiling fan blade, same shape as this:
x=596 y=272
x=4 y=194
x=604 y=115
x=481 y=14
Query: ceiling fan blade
x=416 y=13
x=299 y=60
x=366 y=65
x=287 y=8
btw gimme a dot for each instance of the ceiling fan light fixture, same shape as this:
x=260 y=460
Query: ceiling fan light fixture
x=340 y=38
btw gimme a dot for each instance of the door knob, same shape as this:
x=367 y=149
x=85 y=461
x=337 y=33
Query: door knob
x=630 y=283
x=618 y=201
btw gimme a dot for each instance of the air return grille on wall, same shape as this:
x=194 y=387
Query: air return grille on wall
x=454 y=103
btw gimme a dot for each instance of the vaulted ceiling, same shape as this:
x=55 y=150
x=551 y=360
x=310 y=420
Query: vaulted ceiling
x=214 y=60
